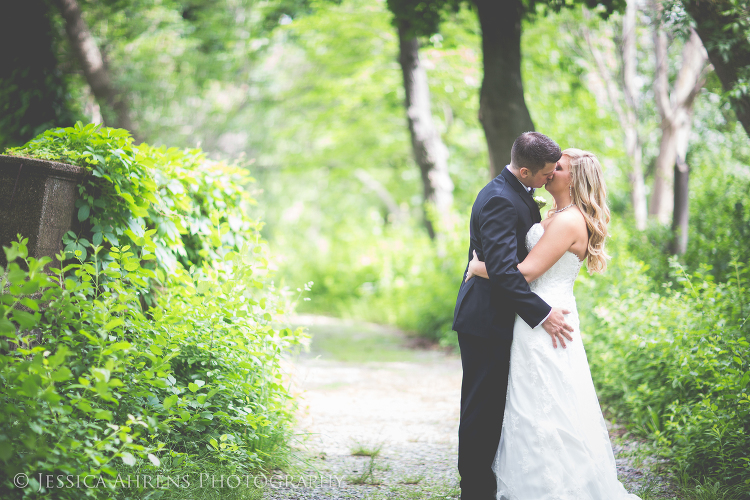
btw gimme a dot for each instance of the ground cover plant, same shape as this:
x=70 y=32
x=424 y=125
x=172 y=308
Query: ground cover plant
x=159 y=350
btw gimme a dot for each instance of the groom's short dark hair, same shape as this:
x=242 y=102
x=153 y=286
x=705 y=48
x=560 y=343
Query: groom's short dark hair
x=533 y=150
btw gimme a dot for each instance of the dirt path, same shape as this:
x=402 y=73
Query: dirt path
x=379 y=419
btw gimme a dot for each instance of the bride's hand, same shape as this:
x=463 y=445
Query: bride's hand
x=472 y=267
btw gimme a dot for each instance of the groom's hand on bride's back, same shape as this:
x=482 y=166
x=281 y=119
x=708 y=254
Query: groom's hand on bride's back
x=557 y=327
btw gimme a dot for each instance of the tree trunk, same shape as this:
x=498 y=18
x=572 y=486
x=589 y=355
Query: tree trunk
x=662 y=193
x=93 y=65
x=632 y=140
x=429 y=151
x=621 y=96
x=681 y=213
x=502 y=108
x=676 y=112
x=680 y=218
x=33 y=95
x=730 y=60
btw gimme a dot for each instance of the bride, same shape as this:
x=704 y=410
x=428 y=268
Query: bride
x=554 y=443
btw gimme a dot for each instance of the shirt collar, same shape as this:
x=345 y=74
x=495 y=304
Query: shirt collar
x=528 y=189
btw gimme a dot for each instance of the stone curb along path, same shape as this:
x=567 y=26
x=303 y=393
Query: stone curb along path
x=370 y=429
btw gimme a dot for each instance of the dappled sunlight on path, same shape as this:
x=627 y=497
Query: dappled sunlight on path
x=362 y=388
x=396 y=403
x=380 y=415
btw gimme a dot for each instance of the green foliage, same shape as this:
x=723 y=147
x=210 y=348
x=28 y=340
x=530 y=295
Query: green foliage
x=604 y=8
x=157 y=192
x=673 y=361
x=337 y=95
x=421 y=17
x=719 y=222
x=197 y=215
x=724 y=27
x=113 y=384
x=397 y=277
x=190 y=70
x=720 y=226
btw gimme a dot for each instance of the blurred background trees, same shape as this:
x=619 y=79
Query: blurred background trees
x=313 y=94
x=34 y=86
x=724 y=27
x=370 y=125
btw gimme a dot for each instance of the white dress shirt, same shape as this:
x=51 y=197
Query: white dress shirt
x=528 y=189
x=531 y=192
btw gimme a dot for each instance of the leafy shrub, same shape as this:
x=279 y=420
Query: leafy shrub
x=194 y=206
x=115 y=382
x=718 y=230
x=398 y=276
x=673 y=362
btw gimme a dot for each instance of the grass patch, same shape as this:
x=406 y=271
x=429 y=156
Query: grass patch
x=367 y=476
x=649 y=491
x=692 y=488
x=362 y=450
x=412 y=479
x=439 y=491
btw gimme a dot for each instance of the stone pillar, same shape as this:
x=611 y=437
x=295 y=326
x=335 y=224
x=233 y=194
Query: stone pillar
x=37 y=200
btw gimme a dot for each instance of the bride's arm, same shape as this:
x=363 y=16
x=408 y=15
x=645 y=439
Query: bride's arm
x=476 y=268
x=559 y=236
x=557 y=239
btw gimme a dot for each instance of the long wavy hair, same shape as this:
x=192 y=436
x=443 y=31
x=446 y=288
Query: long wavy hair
x=590 y=196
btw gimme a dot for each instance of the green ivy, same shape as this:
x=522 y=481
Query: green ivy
x=118 y=178
x=193 y=206
x=119 y=383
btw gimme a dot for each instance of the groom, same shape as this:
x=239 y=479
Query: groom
x=486 y=309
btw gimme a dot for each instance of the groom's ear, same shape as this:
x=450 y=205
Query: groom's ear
x=525 y=172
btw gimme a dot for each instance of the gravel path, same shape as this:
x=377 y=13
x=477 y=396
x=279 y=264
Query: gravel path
x=363 y=392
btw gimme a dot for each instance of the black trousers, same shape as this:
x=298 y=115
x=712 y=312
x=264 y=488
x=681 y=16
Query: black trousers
x=486 y=363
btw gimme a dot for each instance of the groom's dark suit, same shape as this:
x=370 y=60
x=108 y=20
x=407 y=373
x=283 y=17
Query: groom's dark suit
x=484 y=316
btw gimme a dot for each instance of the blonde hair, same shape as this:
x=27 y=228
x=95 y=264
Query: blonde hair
x=590 y=196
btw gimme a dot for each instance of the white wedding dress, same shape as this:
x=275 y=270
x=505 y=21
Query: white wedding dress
x=554 y=443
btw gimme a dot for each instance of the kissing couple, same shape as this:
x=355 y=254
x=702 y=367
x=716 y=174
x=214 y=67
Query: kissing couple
x=531 y=427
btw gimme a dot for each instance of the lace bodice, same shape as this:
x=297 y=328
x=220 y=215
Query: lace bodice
x=556 y=285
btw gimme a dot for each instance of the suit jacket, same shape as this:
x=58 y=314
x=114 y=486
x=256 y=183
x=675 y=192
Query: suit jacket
x=501 y=216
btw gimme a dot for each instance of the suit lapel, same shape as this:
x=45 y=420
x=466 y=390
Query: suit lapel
x=536 y=216
x=529 y=200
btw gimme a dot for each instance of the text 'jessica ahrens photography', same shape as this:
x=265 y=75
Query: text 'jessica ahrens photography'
x=51 y=481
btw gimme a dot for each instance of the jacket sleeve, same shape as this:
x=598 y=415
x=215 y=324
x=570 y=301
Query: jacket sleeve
x=498 y=226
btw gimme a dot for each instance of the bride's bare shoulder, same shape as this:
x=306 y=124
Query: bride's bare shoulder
x=569 y=219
